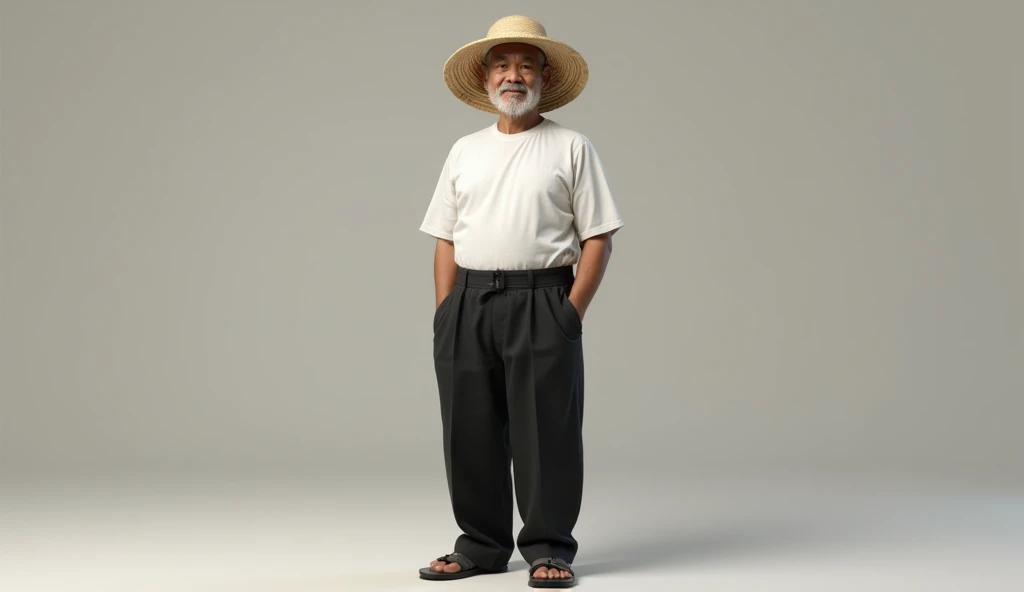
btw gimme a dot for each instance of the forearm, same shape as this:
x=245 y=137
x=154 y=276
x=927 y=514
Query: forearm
x=596 y=252
x=444 y=270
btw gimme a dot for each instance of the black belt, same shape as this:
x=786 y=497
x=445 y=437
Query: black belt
x=516 y=278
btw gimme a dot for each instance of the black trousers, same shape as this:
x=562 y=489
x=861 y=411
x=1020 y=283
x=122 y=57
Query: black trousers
x=508 y=356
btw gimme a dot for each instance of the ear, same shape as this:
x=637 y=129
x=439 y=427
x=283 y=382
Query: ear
x=546 y=76
x=482 y=70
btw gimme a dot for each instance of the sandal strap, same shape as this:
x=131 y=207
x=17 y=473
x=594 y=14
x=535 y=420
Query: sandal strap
x=462 y=560
x=550 y=562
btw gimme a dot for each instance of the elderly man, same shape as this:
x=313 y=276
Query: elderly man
x=518 y=203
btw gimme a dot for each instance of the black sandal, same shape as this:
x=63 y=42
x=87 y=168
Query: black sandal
x=559 y=582
x=469 y=569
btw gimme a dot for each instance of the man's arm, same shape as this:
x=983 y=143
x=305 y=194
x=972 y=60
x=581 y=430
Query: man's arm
x=596 y=251
x=444 y=270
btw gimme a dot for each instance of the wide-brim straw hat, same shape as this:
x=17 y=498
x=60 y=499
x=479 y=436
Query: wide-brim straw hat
x=569 y=70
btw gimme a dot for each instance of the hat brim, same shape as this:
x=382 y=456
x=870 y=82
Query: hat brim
x=569 y=72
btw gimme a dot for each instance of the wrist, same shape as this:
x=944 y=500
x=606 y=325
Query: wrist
x=579 y=306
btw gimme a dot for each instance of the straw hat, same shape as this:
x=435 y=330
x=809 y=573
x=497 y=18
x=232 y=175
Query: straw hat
x=569 y=70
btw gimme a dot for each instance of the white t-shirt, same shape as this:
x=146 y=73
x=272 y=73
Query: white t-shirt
x=521 y=201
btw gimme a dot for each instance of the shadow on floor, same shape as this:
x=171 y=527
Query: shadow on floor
x=728 y=542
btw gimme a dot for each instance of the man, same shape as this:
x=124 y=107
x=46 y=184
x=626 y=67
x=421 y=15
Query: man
x=518 y=203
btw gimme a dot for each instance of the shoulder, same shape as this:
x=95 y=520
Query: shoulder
x=480 y=135
x=573 y=139
x=467 y=142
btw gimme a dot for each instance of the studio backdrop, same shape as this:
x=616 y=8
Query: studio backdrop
x=212 y=268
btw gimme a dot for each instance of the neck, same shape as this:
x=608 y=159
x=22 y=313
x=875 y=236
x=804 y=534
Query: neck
x=508 y=125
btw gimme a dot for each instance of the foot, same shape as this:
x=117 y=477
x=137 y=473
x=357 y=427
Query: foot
x=445 y=567
x=546 y=573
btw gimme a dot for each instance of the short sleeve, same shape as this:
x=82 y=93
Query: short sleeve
x=439 y=220
x=594 y=208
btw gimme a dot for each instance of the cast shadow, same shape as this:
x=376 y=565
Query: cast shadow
x=637 y=551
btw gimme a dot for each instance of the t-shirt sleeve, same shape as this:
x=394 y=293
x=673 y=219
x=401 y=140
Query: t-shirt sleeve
x=593 y=206
x=439 y=220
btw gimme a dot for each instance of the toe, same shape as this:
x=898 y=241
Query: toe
x=541 y=573
x=452 y=567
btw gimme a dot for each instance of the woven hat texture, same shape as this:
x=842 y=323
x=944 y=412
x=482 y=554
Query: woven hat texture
x=569 y=71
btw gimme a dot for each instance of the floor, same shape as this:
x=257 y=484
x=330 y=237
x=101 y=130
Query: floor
x=635 y=535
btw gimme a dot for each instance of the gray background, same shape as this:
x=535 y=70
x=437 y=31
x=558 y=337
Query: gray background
x=211 y=266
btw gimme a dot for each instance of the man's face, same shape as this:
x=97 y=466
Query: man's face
x=514 y=77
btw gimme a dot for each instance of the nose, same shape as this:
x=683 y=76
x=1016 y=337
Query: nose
x=514 y=76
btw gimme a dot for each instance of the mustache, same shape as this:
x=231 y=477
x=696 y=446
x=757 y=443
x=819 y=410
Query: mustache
x=513 y=86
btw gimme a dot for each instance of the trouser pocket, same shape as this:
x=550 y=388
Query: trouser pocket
x=565 y=314
x=439 y=312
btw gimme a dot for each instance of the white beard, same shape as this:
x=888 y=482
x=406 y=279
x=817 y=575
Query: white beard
x=514 y=106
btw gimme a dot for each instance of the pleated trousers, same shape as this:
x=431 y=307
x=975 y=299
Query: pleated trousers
x=508 y=356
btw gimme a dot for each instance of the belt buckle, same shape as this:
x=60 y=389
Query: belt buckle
x=497 y=280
